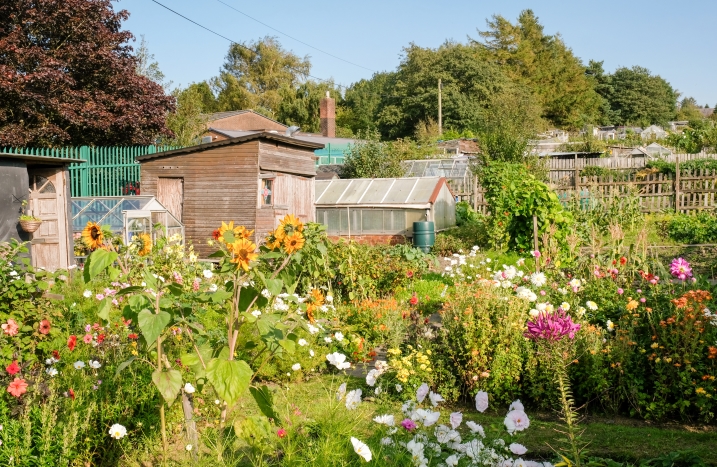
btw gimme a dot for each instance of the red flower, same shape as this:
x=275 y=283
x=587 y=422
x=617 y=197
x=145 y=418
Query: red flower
x=100 y=338
x=13 y=368
x=215 y=234
x=56 y=355
x=132 y=336
x=45 y=326
x=281 y=433
x=126 y=322
x=72 y=342
x=18 y=387
x=409 y=274
x=72 y=393
x=623 y=260
x=414 y=299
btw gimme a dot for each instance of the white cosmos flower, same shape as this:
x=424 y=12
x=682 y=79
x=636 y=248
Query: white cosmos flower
x=518 y=449
x=311 y=352
x=87 y=293
x=94 y=364
x=452 y=460
x=52 y=371
x=313 y=329
x=117 y=431
x=371 y=377
x=353 y=399
x=213 y=288
x=387 y=441
x=422 y=392
x=361 y=449
x=302 y=342
x=338 y=360
x=338 y=336
x=455 y=418
x=427 y=417
x=341 y=392
x=516 y=420
x=189 y=389
x=79 y=365
x=481 y=401
x=387 y=420
x=591 y=305
x=516 y=405
x=435 y=398
x=296 y=366
x=475 y=428
x=207 y=274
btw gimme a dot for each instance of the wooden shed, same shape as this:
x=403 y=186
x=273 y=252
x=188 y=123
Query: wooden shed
x=253 y=180
x=44 y=182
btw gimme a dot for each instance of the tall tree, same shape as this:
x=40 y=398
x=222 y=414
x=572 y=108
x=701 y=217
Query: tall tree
x=188 y=121
x=362 y=101
x=300 y=106
x=545 y=65
x=255 y=73
x=147 y=65
x=68 y=77
x=641 y=98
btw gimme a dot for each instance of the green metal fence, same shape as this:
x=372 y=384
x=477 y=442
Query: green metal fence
x=108 y=171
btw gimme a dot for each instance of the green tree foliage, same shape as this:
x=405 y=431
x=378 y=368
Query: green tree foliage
x=300 y=106
x=637 y=97
x=468 y=82
x=147 y=66
x=256 y=76
x=545 y=65
x=206 y=95
x=363 y=100
x=372 y=158
x=188 y=121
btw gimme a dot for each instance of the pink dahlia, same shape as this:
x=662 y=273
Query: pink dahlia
x=552 y=326
x=680 y=269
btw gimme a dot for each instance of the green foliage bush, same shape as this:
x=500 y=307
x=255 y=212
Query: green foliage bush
x=460 y=239
x=695 y=164
x=514 y=196
x=693 y=229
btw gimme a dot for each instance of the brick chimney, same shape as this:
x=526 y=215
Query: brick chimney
x=327 y=114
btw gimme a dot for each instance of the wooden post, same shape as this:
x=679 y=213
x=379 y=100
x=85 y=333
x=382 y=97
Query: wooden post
x=576 y=177
x=677 y=184
x=475 y=192
x=440 y=108
x=190 y=424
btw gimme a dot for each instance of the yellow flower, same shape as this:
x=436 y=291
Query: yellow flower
x=288 y=225
x=146 y=242
x=655 y=345
x=700 y=391
x=294 y=242
x=236 y=231
x=272 y=242
x=243 y=252
x=92 y=236
x=631 y=305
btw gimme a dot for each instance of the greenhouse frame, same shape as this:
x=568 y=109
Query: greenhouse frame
x=457 y=171
x=125 y=215
x=383 y=206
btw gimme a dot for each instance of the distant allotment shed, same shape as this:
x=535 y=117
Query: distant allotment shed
x=383 y=209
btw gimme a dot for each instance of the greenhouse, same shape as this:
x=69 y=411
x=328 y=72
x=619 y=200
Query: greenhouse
x=383 y=206
x=126 y=216
x=457 y=171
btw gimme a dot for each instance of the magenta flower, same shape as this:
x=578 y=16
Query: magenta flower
x=620 y=291
x=552 y=326
x=408 y=424
x=680 y=269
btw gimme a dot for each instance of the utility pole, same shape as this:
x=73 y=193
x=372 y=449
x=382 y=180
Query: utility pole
x=440 y=108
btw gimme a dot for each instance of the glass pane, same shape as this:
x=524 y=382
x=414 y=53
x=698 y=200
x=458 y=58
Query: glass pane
x=378 y=190
x=355 y=221
x=399 y=221
x=400 y=190
x=372 y=220
x=267 y=192
x=422 y=191
x=332 y=221
x=354 y=191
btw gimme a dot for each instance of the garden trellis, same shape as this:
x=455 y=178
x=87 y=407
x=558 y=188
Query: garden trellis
x=107 y=170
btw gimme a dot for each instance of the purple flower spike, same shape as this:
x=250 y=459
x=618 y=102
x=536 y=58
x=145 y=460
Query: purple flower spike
x=680 y=269
x=552 y=326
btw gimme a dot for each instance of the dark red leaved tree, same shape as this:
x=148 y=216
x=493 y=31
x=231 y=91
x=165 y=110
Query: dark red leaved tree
x=67 y=77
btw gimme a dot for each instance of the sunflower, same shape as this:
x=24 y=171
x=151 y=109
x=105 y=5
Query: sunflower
x=288 y=225
x=243 y=253
x=236 y=231
x=92 y=236
x=293 y=242
x=317 y=298
x=310 y=309
x=145 y=242
x=246 y=233
x=272 y=242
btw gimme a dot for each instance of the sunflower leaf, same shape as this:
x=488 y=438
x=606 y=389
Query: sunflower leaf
x=97 y=262
x=169 y=383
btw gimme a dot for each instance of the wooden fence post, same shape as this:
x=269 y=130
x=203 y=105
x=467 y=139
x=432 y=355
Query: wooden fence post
x=475 y=192
x=677 y=185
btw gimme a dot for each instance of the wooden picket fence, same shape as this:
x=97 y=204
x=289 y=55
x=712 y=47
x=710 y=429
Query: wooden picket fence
x=684 y=192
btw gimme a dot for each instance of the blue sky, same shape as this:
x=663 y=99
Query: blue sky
x=677 y=40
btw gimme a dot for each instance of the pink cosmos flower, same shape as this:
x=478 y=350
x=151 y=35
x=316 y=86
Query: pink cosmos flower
x=536 y=254
x=10 y=328
x=456 y=418
x=281 y=433
x=481 y=401
x=620 y=291
x=552 y=326
x=518 y=449
x=422 y=392
x=87 y=339
x=680 y=269
x=408 y=424
x=99 y=296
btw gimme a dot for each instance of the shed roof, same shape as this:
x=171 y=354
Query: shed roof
x=231 y=113
x=250 y=136
x=308 y=138
x=34 y=158
x=451 y=168
x=416 y=192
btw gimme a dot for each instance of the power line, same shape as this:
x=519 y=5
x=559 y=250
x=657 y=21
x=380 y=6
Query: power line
x=294 y=38
x=226 y=38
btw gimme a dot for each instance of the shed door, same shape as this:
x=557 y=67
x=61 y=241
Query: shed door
x=170 y=193
x=47 y=201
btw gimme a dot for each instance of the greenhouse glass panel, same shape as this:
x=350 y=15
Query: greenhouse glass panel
x=332 y=193
x=333 y=221
x=401 y=190
x=372 y=220
x=422 y=191
x=377 y=191
x=354 y=192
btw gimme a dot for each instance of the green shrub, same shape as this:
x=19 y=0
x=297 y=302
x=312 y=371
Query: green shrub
x=695 y=164
x=692 y=229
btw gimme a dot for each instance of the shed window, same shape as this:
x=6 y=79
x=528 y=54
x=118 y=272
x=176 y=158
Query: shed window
x=267 y=192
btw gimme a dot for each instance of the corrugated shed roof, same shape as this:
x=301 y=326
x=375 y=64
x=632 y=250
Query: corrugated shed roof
x=307 y=138
x=417 y=192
